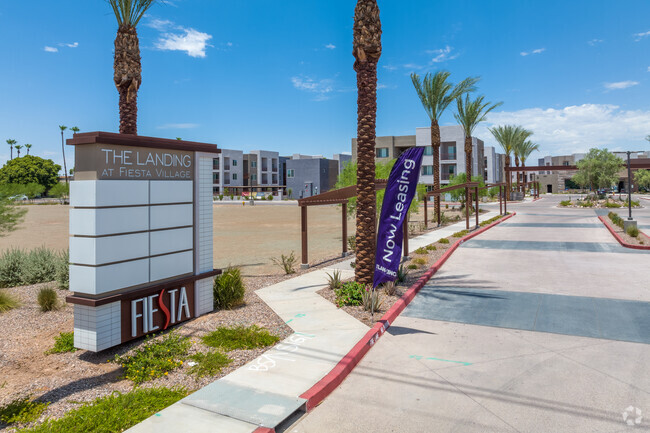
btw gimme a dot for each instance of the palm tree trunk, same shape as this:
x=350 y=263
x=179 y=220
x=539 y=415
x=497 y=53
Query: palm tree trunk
x=366 y=195
x=508 y=177
x=127 y=77
x=65 y=168
x=435 y=145
x=468 y=165
x=517 y=173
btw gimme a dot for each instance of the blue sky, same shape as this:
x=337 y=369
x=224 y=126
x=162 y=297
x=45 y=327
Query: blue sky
x=278 y=75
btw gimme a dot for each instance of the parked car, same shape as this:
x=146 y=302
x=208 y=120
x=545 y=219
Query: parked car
x=19 y=197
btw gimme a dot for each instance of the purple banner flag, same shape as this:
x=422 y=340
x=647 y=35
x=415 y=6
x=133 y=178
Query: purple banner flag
x=401 y=187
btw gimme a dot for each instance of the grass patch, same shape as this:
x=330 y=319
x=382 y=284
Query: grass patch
x=47 y=299
x=421 y=250
x=431 y=247
x=7 y=301
x=612 y=205
x=228 y=289
x=22 y=410
x=63 y=343
x=412 y=266
x=565 y=203
x=155 y=358
x=419 y=261
x=209 y=363
x=633 y=231
x=460 y=234
x=586 y=203
x=239 y=337
x=443 y=241
x=114 y=413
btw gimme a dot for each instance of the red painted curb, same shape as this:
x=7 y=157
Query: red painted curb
x=538 y=198
x=264 y=430
x=324 y=387
x=621 y=240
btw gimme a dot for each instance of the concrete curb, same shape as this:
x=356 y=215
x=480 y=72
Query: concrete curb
x=621 y=240
x=538 y=198
x=317 y=393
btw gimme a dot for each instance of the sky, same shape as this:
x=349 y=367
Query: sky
x=259 y=74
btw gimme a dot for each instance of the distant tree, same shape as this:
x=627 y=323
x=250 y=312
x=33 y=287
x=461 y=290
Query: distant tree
x=60 y=191
x=526 y=149
x=31 y=169
x=34 y=190
x=11 y=143
x=10 y=215
x=18 y=147
x=459 y=194
x=642 y=178
x=508 y=137
x=75 y=129
x=65 y=170
x=598 y=169
x=28 y=146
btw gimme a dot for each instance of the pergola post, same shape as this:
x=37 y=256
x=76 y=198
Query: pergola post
x=303 y=230
x=476 y=210
x=344 y=228
x=438 y=216
x=405 y=236
x=467 y=205
x=426 y=222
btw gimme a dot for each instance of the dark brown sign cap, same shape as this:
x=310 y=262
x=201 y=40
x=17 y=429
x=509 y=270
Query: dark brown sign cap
x=139 y=141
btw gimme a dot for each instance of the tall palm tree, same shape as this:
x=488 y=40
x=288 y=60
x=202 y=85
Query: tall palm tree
x=11 y=143
x=436 y=93
x=18 y=147
x=526 y=149
x=75 y=129
x=519 y=147
x=28 y=146
x=366 y=51
x=470 y=114
x=65 y=169
x=507 y=136
x=127 y=73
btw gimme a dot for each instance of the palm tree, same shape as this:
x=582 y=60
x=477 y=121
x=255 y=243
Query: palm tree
x=75 y=129
x=519 y=147
x=471 y=113
x=18 y=147
x=11 y=143
x=366 y=51
x=65 y=169
x=436 y=93
x=28 y=146
x=127 y=70
x=507 y=136
x=526 y=149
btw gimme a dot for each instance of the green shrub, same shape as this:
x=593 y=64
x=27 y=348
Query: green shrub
x=155 y=358
x=402 y=273
x=431 y=247
x=371 y=300
x=39 y=266
x=62 y=270
x=220 y=197
x=334 y=280
x=239 y=337
x=47 y=299
x=209 y=363
x=352 y=243
x=64 y=342
x=390 y=288
x=287 y=263
x=114 y=413
x=412 y=266
x=443 y=241
x=586 y=203
x=7 y=301
x=270 y=197
x=22 y=410
x=11 y=263
x=610 y=204
x=565 y=203
x=460 y=234
x=421 y=250
x=349 y=293
x=633 y=231
x=419 y=261
x=228 y=289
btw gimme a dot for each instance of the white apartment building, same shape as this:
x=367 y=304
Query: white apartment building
x=491 y=165
x=227 y=170
x=263 y=169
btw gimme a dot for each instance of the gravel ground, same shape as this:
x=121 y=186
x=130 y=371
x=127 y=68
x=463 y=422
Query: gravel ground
x=642 y=239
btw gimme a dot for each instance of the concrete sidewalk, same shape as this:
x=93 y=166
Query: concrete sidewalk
x=265 y=393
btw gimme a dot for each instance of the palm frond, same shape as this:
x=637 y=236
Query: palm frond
x=436 y=93
x=526 y=149
x=472 y=112
x=129 y=12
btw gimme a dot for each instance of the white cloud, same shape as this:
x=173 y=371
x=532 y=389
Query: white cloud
x=620 y=85
x=648 y=68
x=536 y=51
x=574 y=129
x=639 y=36
x=160 y=25
x=442 y=55
x=321 y=88
x=330 y=46
x=178 y=126
x=595 y=42
x=72 y=45
x=51 y=49
x=193 y=42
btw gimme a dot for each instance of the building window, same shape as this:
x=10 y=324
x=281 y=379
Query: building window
x=382 y=152
x=215 y=178
x=428 y=150
x=290 y=172
x=234 y=175
x=234 y=163
x=253 y=178
x=447 y=171
x=427 y=170
x=253 y=164
x=448 y=151
x=215 y=164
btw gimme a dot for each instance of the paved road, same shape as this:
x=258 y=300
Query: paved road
x=541 y=324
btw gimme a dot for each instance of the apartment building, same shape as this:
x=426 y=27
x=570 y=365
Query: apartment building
x=310 y=175
x=227 y=171
x=262 y=171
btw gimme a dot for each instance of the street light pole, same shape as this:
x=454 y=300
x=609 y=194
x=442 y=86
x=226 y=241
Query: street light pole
x=629 y=187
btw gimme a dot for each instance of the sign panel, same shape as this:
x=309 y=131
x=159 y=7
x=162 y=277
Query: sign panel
x=116 y=162
x=156 y=310
x=400 y=190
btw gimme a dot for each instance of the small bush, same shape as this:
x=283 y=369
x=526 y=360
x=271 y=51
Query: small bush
x=334 y=280
x=610 y=204
x=390 y=288
x=7 y=301
x=155 y=358
x=239 y=337
x=353 y=264
x=11 y=263
x=419 y=261
x=633 y=231
x=402 y=273
x=63 y=270
x=349 y=293
x=220 y=197
x=47 y=299
x=287 y=263
x=412 y=266
x=114 y=413
x=431 y=247
x=39 y=266
x=228 y=289
x=421 y=250
x=371 y=300
x=352 y=243
x=586 y=203
x=565 y=203
x=270 y=197
x=63 y=343
x=446 y=206
x=443 y=241
x=209 y=363
x=22 y=410
x=460 y=234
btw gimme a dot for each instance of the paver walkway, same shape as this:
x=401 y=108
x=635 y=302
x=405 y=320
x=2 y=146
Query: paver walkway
x=266 y=392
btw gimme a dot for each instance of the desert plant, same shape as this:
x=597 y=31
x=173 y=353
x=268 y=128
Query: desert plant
x=633 y=231
x=228 y=289
x=421 y=250
x=352 y=243
x=586 y=203
x=287 y=263
x=63 y=270
x=39 y=266
x=334 y=280
x=565 y=203
x=47 y=299
x=7 y=301
x=11 y=263
x=443 y=241
x=431 y=247
x=220 y=197
x=349 y=293
x=371 y=300
x=390 y=288
x=64 y=342
x=22 y=410
x=239 y=337
x=460 y=234
x=270 y=197
x=402 y=273
x=412 y=266
x=420 y=261
x=209 y=363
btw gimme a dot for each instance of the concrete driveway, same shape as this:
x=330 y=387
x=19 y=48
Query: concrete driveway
x=541 y=324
